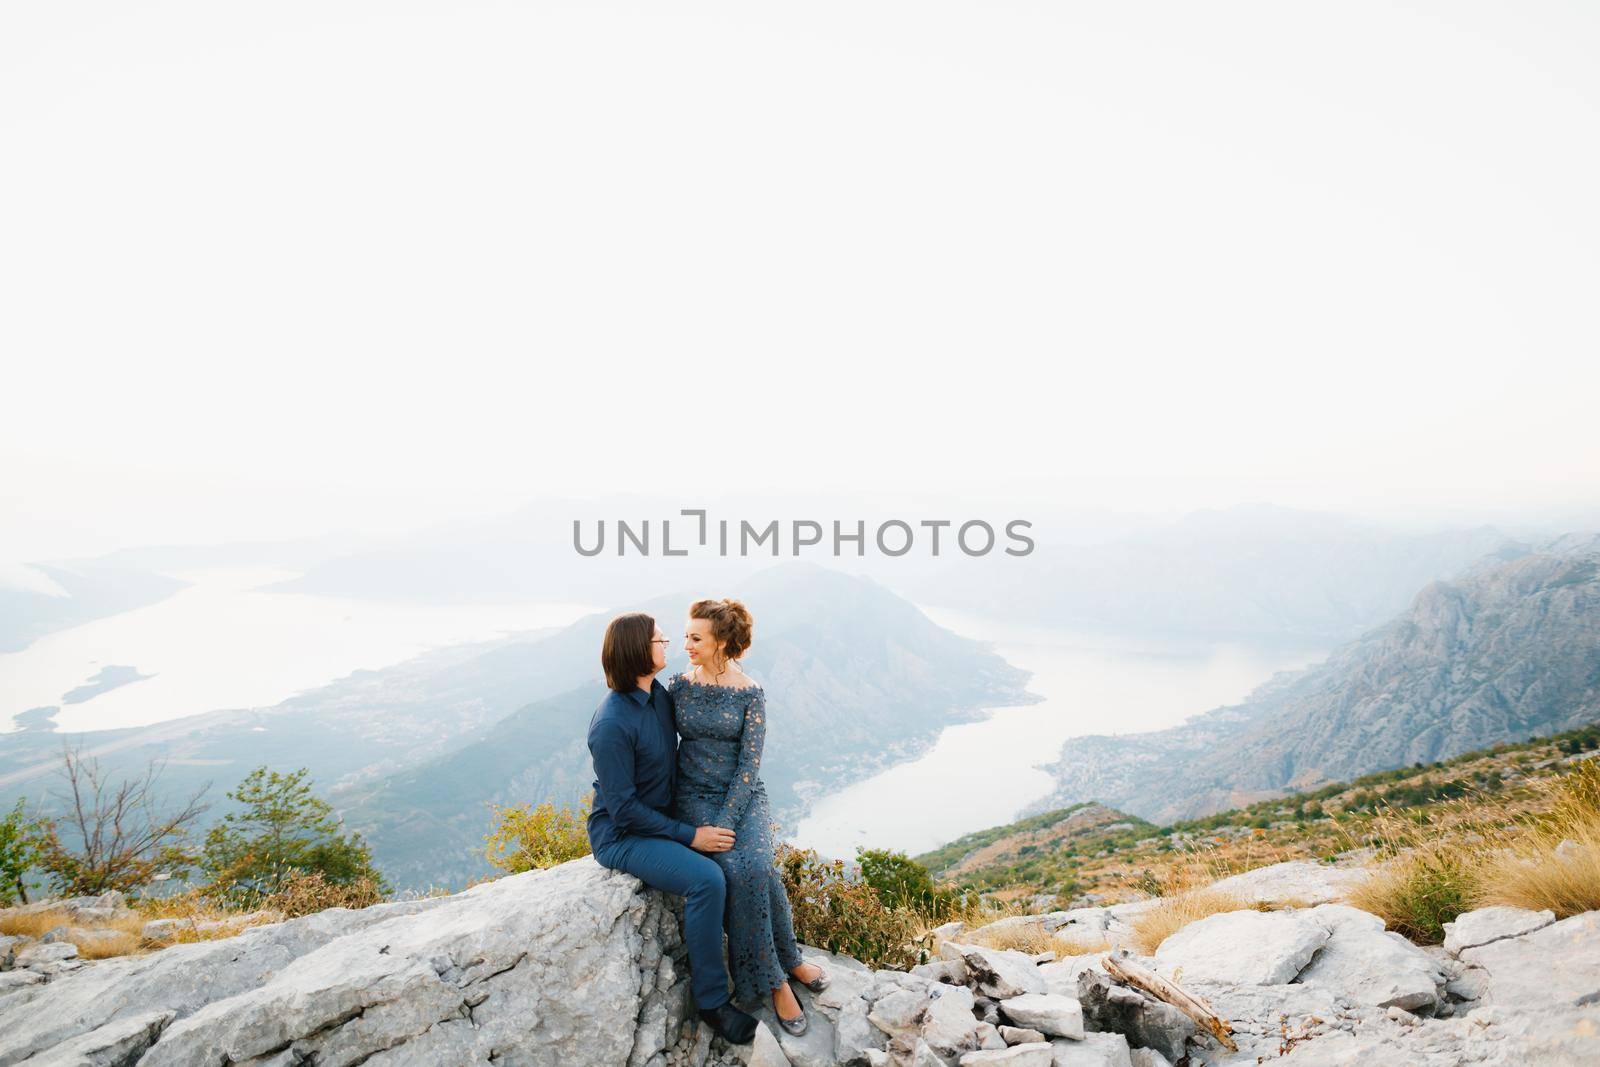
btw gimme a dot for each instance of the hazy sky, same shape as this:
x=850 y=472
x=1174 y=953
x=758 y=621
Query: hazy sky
x=268 y=269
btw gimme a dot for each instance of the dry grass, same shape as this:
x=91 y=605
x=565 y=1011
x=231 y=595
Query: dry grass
x=305 y=892
x=188 y=905
x=124 y=935
x=117 y=937
x=1551 y=860
x=1081 y=943
x=1034 y=939
x=33 y=924
x=1029 y=939
x=1422 y=887
x=119 y=943
x=1154 y=926
x=1481 y=851
x=1183 y=889
x=189 y=935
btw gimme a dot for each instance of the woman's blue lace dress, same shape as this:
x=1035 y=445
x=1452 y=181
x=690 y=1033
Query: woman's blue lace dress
x=722 y=730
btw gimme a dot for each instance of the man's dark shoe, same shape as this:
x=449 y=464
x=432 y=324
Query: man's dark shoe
x=733 y=1025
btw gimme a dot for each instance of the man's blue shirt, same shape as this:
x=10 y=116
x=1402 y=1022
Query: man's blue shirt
x=634 y=743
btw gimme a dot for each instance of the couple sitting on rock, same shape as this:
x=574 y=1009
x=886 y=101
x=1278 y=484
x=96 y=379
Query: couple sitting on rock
x=691 y=817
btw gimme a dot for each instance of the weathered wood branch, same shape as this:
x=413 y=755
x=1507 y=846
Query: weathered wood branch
x=1126 y=969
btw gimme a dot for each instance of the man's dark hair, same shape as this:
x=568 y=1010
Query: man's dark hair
x=626 y=654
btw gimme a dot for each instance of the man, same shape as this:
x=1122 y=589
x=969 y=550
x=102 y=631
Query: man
x=634 y=744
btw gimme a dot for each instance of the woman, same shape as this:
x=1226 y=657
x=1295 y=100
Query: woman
x=721 y=718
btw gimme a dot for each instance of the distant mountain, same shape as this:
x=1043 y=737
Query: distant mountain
x=366 y=725
x=1510 y=651
x=846 y=665
x=92 y=589
x=1250 y=571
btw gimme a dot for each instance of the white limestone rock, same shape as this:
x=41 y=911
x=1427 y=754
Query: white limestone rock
x=1243 y=947
x=1294 y=883
x=1000 y=973
x=1035 y=1055
x=1050 y=1013
x=1551 y=969
x=948 y=1025
x=1369 y=964
x=1474 y=928
x=1095 y=1050
x=898 y=1012
x=1061 y=976
x=765 y=1050
x=1019 y=1035
x=548 y=967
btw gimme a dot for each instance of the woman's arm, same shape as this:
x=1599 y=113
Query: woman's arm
x=746 y=774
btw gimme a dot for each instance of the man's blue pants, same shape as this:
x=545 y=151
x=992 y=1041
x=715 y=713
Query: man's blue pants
x=665 y=864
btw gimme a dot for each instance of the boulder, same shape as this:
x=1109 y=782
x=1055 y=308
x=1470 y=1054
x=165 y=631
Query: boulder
x=765 y=1050
x=1295 y=883
x=1050 y=1013
x=999 y=973
x=1034 y=1055
x=1522 y=1040
x=814 y=1048
x=919 y=1055
x=1017 y=1035
x=108 y=905
x=1095 y=1050
x=952 y=972
x=1243 y=947
x=41 y=952
x=1369 y=964
x=1111 y=1007
x=1474 y=928
x=989 y=1036
x=11 y=981
x=9 y=944
x=1148 y=1057
x=1061 y=976
x=898 y=1012
x=948 y=1025
x=1553 y=968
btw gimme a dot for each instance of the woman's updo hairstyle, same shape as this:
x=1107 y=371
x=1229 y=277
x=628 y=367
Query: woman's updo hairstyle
x=730 y=621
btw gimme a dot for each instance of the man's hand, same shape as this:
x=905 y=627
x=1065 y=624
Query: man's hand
x=712 y=839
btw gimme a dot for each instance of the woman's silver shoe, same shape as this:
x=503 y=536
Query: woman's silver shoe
x=795 y=1026
x=817 y=984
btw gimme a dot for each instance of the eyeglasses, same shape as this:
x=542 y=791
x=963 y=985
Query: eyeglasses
x=660 y=641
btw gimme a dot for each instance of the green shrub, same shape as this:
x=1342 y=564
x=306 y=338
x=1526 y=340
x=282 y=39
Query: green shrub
x=835 y=911
x=532 y=838
x=902 y=882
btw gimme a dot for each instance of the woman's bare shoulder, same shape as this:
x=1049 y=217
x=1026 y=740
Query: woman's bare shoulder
x=744 y=681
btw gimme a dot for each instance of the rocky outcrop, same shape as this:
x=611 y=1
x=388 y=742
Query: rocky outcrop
x=579 y=966
x=538 y=968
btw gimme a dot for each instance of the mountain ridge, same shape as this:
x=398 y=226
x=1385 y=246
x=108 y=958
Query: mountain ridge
x=1509 y=650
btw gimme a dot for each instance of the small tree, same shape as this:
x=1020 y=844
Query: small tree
x=283 y=828
x=112 y=837
x=902 y=882
x=19 y=851
x=532 y=838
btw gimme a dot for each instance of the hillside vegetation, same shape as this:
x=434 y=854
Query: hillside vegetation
x=1093 y=854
